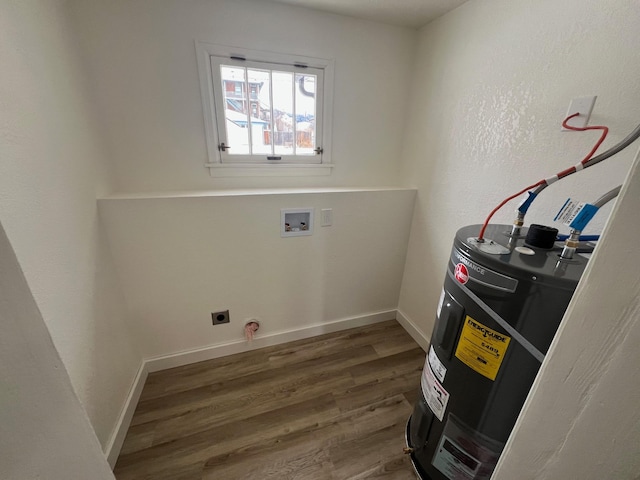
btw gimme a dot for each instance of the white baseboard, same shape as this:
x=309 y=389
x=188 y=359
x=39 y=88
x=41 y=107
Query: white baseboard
x=186 y=357
x=411 y=328
x=178 y=359
x=124 y=420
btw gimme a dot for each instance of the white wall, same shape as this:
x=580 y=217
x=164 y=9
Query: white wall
x=45 y=431
x=143 y=63
x=492 y=82
x=180 y=259
x=581 y=419
x=53 y=165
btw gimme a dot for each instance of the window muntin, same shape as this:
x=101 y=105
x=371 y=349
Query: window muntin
x=267 y=112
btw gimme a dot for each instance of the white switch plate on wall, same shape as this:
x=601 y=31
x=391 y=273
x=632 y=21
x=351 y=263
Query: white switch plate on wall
x=583 y=106
x=327 y=217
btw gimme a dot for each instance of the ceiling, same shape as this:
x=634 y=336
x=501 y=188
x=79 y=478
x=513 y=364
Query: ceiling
x=408 y=13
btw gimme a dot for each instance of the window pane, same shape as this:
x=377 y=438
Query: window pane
x=236 y=108
x=260 y=110
x=283 y=113
x=305 y=114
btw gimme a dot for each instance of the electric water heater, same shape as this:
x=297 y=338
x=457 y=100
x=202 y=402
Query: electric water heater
x=499 y=310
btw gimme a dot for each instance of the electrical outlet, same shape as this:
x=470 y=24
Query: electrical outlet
x=218 y=318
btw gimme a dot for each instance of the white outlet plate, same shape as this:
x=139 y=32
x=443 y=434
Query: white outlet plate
x=583 y=106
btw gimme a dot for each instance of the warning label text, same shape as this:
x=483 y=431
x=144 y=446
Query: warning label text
x=481 y=348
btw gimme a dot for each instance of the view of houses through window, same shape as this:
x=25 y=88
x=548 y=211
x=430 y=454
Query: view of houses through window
x=268 y=111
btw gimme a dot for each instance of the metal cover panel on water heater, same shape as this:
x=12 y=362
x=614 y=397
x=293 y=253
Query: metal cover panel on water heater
x=496 y=318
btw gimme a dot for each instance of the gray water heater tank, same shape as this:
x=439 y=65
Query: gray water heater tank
x=499 y=310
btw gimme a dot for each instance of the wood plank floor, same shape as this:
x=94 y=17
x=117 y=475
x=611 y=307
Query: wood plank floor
x=329 y=407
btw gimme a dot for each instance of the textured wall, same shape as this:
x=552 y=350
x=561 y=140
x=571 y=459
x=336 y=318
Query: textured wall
x=53 y=163
x=492 y=82
x=581 y=419
x=145 y=78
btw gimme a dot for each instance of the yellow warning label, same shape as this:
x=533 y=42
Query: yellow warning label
x=481 y=348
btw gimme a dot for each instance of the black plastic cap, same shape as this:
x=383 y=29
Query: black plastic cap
x=541 y=236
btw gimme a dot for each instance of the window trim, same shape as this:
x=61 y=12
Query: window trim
x=216 y=167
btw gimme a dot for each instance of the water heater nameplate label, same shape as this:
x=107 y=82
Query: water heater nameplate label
x=464 y=453
x=466 y=270
x=434 y=393
x=481 y=348
x=452 y=460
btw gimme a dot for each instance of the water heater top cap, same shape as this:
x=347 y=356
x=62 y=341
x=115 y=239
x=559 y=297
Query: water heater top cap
x=541 y=236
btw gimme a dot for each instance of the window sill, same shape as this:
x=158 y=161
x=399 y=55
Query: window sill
x=268 y=170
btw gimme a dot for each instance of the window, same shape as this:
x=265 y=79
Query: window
x=265 y=113
x=279 y=121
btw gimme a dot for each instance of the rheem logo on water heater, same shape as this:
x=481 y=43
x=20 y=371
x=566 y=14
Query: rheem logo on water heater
x=461 y=273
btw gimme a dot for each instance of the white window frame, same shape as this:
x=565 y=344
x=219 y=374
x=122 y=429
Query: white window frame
x=207 y=54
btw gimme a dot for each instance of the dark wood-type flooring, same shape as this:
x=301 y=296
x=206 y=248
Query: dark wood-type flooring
x=328 y=407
